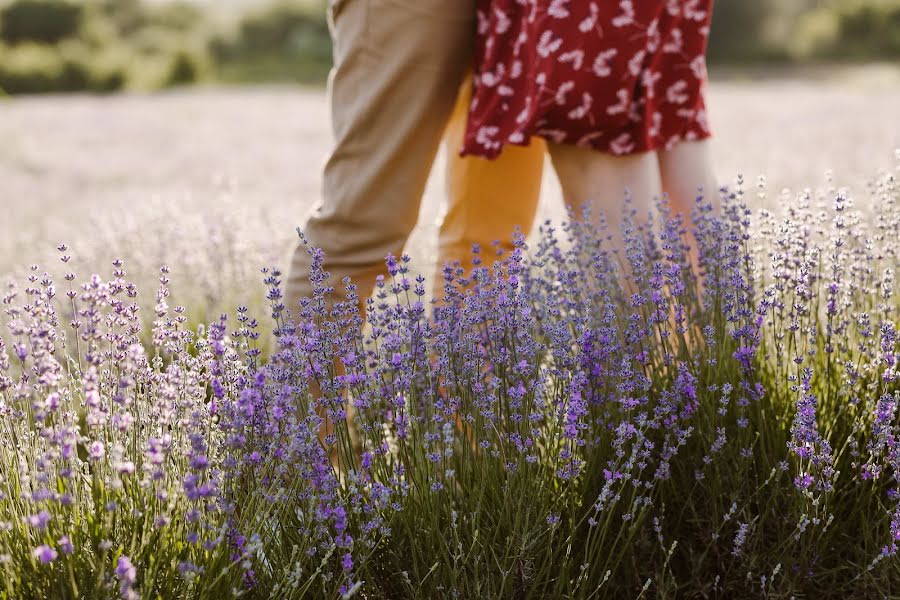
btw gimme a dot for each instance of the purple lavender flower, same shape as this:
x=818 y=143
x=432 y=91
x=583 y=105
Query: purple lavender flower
x=65 y=545
x=740 y=539
x=96 y=450
x=45 y=554
x=806 y=443
x=40 y=520
x=127 y=575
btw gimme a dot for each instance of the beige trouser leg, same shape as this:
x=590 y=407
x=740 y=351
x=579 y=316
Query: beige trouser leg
x=398 y=68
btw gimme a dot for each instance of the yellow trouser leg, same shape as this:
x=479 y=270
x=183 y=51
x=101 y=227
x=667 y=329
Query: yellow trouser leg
x=486 y=199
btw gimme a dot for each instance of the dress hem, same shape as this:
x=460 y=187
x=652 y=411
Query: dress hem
x=465 y=152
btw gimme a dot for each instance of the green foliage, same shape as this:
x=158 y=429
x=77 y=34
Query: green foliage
x=40 y=68
x=738 y=29
x=178 y=16
x=185 y=68
x=285 y=40
x=30 y=69
x=101 y=45
x=856 y=30
x=147 y=45
x=132 y=16
x=804 y=30
x=107 y=68
x=282 y=27
x=155 y=41
x=47 y=21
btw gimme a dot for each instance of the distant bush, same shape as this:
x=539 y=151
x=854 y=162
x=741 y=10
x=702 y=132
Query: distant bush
x=856 y=30
x=740 y=31
x=46 y=21
x=131 y=16
x=278 y=26
x=103 y=45
x=177 y=16
x=107 y=69
x=124 y=16
x=286 y=40
x=31 y=69
x=185 y=67
x=41 y=68
x=156 y=41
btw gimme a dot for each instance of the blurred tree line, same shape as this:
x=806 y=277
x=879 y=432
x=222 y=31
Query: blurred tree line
x=108 y=45
x=749 y=31
x=98 y=45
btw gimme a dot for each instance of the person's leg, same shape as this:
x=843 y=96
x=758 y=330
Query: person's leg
x=686 y=171
x=398 y=67
x=486 y=199
x=600 y=181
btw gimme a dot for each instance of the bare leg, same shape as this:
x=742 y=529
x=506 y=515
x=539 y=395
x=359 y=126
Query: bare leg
x=599 y=180
x=687 y=172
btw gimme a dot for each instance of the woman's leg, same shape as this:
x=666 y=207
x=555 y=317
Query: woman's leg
x=600 y=181
x=686 y=171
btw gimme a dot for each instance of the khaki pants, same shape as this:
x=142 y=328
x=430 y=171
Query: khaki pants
x=396 y=90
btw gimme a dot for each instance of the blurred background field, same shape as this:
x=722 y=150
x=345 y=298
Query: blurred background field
x=213 y=182
x=212 y=177
x=110 y=45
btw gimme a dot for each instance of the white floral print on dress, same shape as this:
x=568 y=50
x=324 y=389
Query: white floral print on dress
x=619 y=76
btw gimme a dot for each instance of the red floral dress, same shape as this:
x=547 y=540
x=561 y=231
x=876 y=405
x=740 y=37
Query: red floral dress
x=618 y=76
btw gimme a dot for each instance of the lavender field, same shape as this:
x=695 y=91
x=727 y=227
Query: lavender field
x=569 y=422
x=223 y=177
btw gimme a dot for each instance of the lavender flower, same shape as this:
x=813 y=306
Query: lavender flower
x=45 y=554
x=544 y=416
x=127 y=575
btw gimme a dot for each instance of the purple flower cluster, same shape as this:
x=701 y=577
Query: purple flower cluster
x=814 y=451
x=126 y=573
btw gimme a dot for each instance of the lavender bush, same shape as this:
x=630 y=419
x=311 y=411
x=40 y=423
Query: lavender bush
x=565 y=421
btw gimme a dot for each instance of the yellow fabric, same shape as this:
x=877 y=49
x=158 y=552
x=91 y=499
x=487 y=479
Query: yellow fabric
x=486 y=199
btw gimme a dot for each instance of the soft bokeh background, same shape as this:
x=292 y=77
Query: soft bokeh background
x=109 y=45
x=193 y=133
